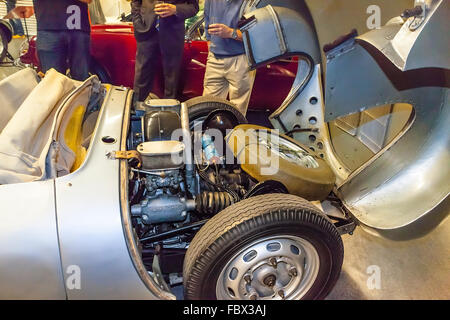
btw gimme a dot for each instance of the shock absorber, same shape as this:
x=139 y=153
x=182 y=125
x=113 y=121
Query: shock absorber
x=213 y=202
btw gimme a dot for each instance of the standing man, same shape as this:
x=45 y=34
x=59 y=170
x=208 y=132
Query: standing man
x=159 y=30
x=227 y=70
x=16 y=23
x=63 y=38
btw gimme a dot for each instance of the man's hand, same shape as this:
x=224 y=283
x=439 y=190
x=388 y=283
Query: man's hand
x=19 y=12
x=220 y=30
x=165 y=10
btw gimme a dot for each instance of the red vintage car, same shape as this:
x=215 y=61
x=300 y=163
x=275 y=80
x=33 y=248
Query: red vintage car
x=113 y=51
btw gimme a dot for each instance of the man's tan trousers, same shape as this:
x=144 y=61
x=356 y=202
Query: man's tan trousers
x=229 y=77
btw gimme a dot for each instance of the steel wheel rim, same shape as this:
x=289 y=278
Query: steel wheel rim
x=280 y=267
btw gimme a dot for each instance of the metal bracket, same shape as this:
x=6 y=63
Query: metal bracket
x=127 y=155
x=344 y=226
x=157 y=273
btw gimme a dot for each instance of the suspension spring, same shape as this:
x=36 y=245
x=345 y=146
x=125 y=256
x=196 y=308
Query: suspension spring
x=213 y=202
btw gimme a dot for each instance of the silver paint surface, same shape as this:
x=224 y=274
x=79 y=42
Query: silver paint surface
x=406 y=185
x=89 y=217
x=30 y=264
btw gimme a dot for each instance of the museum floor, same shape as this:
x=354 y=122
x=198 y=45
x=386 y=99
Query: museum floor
x=415 y=269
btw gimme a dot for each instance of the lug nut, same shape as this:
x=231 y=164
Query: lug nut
x=293 y=272
x=273 y=262
x=248 y=279
x=254 y=296
x=281 y=294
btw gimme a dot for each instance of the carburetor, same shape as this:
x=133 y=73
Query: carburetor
x=163 y=164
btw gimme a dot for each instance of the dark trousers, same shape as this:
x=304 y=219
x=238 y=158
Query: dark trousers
x=165 y=44
x=63 y=50
x=16 y=23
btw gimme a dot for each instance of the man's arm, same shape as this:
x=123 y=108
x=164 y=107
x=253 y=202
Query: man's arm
x=24 y=12
x=224 y=31
x=182 y=10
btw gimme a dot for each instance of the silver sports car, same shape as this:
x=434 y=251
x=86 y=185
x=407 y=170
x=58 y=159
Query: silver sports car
x=106 y=198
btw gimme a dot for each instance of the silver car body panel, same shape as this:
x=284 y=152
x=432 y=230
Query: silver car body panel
x=283 y=42
x=30 y=261
x=89 y=216
x=288 y=116
x=71 y=237
x=410 y=48
x=407 y=182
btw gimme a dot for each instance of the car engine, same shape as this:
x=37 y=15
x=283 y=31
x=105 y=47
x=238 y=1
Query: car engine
x=182 y=178
x=163 y=173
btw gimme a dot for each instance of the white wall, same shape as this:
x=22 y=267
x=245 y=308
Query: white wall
x=114 y=8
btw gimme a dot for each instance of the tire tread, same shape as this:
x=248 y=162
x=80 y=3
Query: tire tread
x=202 y=106
x=241 y=218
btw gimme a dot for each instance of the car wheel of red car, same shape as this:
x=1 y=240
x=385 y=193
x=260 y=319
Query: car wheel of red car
x=201 y=107
x=270 y=247
x=96 y=69
x=3 y=44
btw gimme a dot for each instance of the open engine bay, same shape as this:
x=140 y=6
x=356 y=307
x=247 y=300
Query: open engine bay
x=186 y=166
x=172 y=191
x=182 y=174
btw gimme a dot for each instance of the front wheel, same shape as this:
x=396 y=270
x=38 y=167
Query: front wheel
x=3 y=44
x=269 y=247
x=96 y=69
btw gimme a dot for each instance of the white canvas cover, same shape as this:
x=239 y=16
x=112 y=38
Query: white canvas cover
x=13 y=92
x=32 y=144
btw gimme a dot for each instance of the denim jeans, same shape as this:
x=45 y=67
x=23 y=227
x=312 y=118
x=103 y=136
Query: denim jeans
x=16 y=23
x=63 y=50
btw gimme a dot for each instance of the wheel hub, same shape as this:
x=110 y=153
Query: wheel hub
x=272 y=268
x=270 y=280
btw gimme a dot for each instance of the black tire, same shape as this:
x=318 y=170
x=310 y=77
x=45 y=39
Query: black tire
x=3 y=44
x=241 y=224
x=201 y=107
x=96 y=69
